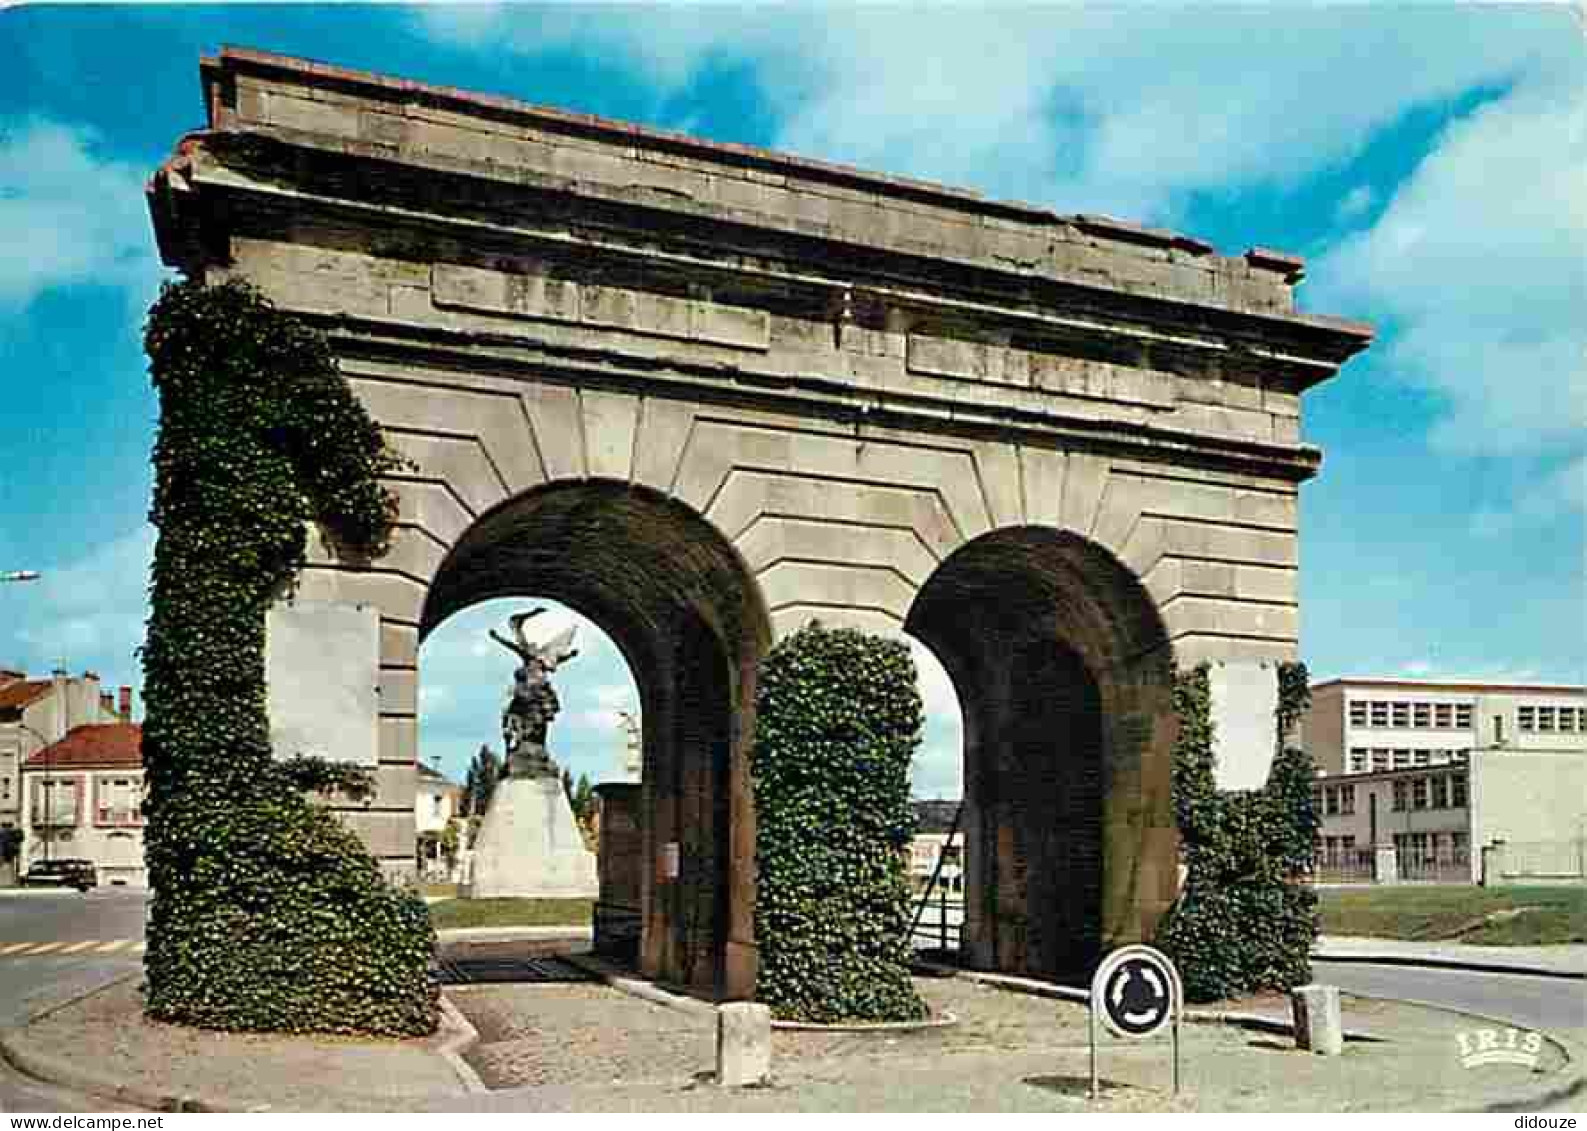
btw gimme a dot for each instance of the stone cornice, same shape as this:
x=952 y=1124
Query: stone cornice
x=212 y=173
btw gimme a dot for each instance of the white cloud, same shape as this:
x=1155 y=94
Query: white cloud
x=67 y=216
x=89 y=612
x=1556 y=494
x=1354 y=203
x=1121 y=110
x=1480 y=261
x=937 y=771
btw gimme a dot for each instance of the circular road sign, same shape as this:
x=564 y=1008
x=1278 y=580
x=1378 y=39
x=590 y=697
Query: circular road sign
x=1136 y=991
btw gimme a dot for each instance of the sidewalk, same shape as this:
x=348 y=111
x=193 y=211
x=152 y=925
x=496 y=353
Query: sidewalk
x=1563 y=961
x=592 y=1048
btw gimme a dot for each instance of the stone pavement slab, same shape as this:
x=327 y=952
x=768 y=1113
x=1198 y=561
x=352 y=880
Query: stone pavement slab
x=1008 y=1052
x=102 y=1043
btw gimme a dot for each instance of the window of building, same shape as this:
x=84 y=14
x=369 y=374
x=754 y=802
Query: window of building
x=1421 y=715
x=1331 y=802
x=1458 y=846
x=1380 y=758
x=1419 y=793
x=1526 y=718
x=1347 y=799
x=1317 y=798
x=435 y=805
x=1380 y=714
x=54 y=802
x=1402 y=714
x=1463 y=716
x=1358 y=759
x=1422 y=757
x=1457 y=791
x=1401 y=796
x=1402 y=759
x=1545 y=720
x=1441 y=792
x=1358 y=712
x=1498 y=730
x=1443 y=715
x=116 y=800
x=1567 y=719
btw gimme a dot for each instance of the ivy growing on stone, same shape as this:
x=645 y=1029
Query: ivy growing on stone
x=267 y=912
x=1244 y=920
x=838 y=718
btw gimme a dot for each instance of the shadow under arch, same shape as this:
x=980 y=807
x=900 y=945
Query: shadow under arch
x=688 y=617
x=1064 y=673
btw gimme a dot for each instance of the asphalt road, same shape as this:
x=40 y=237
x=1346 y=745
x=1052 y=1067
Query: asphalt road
x=1523 y=1000
x=96 y=939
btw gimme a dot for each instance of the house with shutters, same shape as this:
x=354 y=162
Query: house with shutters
x=84 y=800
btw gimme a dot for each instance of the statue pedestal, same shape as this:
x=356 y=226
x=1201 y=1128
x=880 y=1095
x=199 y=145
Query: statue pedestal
x=529 y=845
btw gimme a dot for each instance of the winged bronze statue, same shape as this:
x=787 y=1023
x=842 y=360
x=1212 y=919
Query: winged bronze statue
x=534 y=702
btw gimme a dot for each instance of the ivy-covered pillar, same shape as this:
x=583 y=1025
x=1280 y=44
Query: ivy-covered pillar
x=267 y=912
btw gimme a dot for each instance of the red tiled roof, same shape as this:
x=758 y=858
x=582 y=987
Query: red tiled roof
x=23 y=692
x=92 y=745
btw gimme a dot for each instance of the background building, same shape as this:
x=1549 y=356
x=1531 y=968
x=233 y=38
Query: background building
x=85 y=801
x=1450 y=781
x=36 y=712
x=435 y=804
x=1366 y=725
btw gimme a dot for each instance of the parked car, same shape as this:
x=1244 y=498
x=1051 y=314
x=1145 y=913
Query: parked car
x=79 y=874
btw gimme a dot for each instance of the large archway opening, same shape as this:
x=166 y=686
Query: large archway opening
x=1065 y=675
x=673 y=596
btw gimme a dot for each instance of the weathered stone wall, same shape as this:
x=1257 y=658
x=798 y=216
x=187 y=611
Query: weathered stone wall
x=834 y=380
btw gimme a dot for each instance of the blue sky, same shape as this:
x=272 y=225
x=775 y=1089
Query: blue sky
x=1429 y=161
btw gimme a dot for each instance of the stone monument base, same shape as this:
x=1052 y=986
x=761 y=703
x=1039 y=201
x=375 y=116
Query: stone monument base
x=529 y=845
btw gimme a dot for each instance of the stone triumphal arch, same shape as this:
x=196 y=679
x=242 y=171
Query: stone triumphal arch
x=704 y=393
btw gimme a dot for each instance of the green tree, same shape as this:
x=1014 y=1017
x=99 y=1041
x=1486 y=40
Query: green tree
x=479 y=783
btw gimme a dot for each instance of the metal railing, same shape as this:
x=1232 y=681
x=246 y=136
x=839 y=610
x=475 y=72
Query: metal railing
x=1343 y=866
x=1444 y=866
x=942 y=934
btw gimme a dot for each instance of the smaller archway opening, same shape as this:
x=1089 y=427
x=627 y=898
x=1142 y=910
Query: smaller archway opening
x=467 y=681
x=1064 y=671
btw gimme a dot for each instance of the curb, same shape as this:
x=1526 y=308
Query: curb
x=453 y=1046
x=1257 y=1021
x=66 y=1074
x=1441 y=963
x=514 y=934
x=638 y=987
x=15 y=1050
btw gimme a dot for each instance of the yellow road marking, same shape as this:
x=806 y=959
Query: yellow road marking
x=112 y=946
x=76 y=948
x=139 y=949
x=12 y=948
x=43 y=948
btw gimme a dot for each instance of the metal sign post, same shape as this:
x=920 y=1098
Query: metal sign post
x=1136 y=992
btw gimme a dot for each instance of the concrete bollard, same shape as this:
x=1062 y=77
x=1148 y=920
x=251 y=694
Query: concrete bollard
x=1318 y=1024
x=743 y=1044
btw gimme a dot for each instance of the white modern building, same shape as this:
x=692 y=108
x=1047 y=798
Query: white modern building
x=1422 y=780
